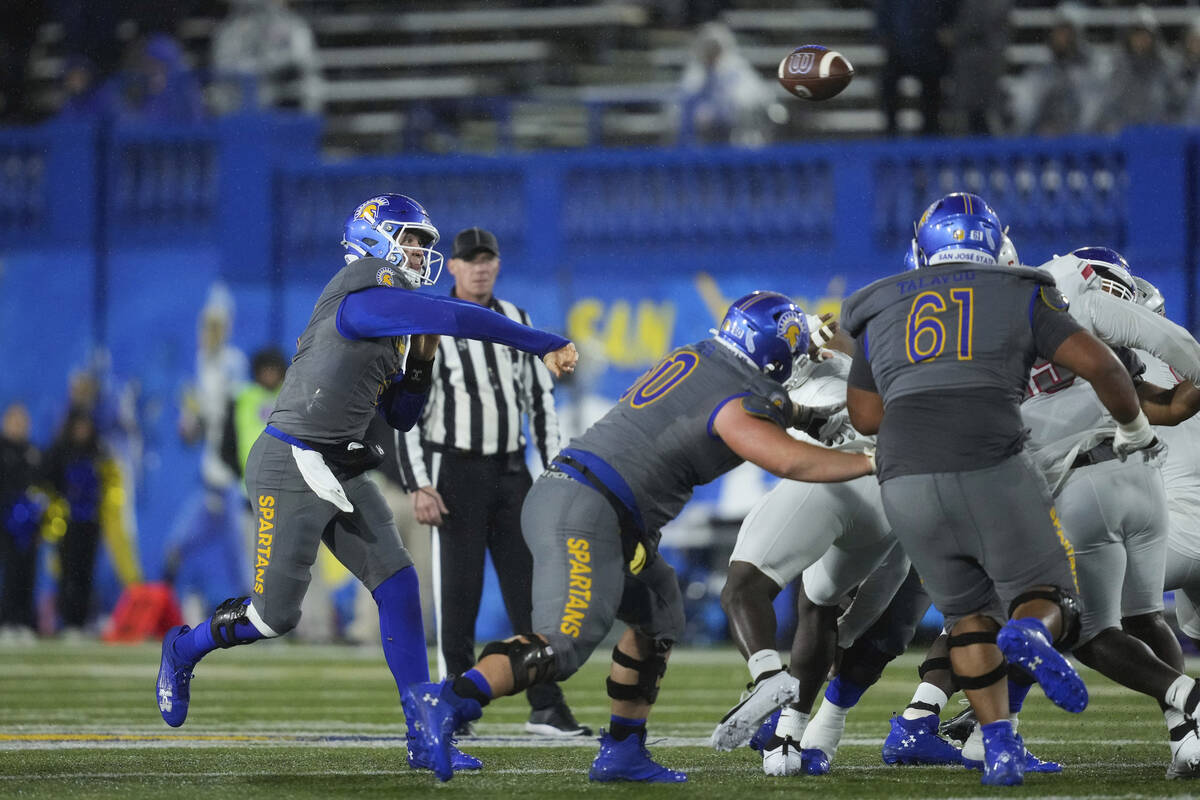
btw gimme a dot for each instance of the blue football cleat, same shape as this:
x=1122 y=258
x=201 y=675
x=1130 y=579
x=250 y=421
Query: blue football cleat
x=420 y=758
x=173 y=690
x=815 y=761
x=1026 y=643
x=434 y=712
x=1032 y=762
x=765 y=731
x=629 y=760
x=916 y=742
x=1003 y=755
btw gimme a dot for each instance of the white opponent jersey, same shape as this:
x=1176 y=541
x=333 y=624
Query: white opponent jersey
x=1181 y=469
x=823 y=383
x=1120 y=322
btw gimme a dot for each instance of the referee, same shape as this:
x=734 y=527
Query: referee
x=464 y=464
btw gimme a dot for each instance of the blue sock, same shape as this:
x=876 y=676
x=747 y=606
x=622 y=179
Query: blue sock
x=401 y=628
x=843 y=693
x=481 y=683
x=1017 y=691
x=198 y=642
x=621 y=728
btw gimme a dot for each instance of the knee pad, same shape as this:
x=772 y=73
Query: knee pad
x=977 y=681
x=532 y=662
x=649 y=672
x=225 y=621
x=1067 y=603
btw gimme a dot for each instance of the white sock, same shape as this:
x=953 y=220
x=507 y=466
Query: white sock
x=1177 y=693
x=763 y=661
x=824 y=731
x=791 y=724
x=926 y=693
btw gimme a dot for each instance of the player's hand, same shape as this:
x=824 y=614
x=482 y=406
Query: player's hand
x=803 y=417
x=836 y=430
x=424 y=346
x=1134 y=436
x=820 y=330
x=561 y=360
x=429 y=506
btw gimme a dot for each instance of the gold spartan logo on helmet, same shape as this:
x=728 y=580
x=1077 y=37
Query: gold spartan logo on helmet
x=367 y=211
x=791 y=330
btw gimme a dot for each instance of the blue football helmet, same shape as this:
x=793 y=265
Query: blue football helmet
x=1116 y=277
x=376 y=229
x=959 y=228
x=769 y=329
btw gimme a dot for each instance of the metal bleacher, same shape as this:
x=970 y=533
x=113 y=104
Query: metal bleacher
x=453 y=76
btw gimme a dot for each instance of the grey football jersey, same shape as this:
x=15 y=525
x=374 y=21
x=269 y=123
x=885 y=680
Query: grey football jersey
x=949 y=349
x=331 y=388
x=659 y=434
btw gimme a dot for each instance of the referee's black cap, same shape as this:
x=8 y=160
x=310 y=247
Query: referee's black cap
x=471 y=241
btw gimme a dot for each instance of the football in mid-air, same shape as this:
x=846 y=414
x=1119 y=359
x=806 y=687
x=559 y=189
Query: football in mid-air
x=814 y=72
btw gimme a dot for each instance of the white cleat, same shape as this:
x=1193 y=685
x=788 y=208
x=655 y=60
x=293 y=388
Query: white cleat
x=782 y=758
x=1185 y=763
x=757 y=703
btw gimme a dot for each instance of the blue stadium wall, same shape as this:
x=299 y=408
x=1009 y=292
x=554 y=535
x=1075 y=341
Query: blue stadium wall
x=111 y=237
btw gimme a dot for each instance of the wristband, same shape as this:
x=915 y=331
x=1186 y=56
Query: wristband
x=418 y=376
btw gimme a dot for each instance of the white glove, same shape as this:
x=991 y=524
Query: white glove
x=804 y=416
x=836 y=430
x=1134 y=436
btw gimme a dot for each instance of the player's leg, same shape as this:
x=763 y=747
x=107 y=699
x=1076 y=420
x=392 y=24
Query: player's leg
x=866 y=651
x=290 y=519
x=1183 y=577
x=1143 y=653
x=786 y=531
x=914 y=737
x=467 y=486
x=865 y=541
x=947 y=548
x=578 y=579
x=550 y=715
x=652 y=606
x=368 y=544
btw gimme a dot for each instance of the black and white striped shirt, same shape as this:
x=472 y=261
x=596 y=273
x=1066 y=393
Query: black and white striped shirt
x=480 y=390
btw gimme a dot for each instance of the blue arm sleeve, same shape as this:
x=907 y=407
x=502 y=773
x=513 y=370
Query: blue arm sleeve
x=382 y=311
x=401 y=409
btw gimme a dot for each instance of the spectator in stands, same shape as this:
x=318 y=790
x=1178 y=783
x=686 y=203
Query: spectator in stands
x=724 y=99
x=1062 y=96
x=1143 y=88
x=73 y=470
x=275 y=45
x=912 y=34
x=206 y=552
x=85 y=95
x=978 y=41
x=1189 y=84
x=20 y=516
x=156 y=84
x=16 y=41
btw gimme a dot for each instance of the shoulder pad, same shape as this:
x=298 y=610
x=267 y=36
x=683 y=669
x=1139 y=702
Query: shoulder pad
x=1051 y=296
x=776 y=408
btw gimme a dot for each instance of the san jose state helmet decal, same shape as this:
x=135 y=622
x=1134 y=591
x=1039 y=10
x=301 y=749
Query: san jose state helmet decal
x=959 y=228
x=769 y=329
x=376 y=228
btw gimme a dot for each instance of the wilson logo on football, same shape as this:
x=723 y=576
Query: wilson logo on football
x=800 y=63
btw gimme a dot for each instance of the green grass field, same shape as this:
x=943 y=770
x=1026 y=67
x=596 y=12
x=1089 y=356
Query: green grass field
x=295 y=720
